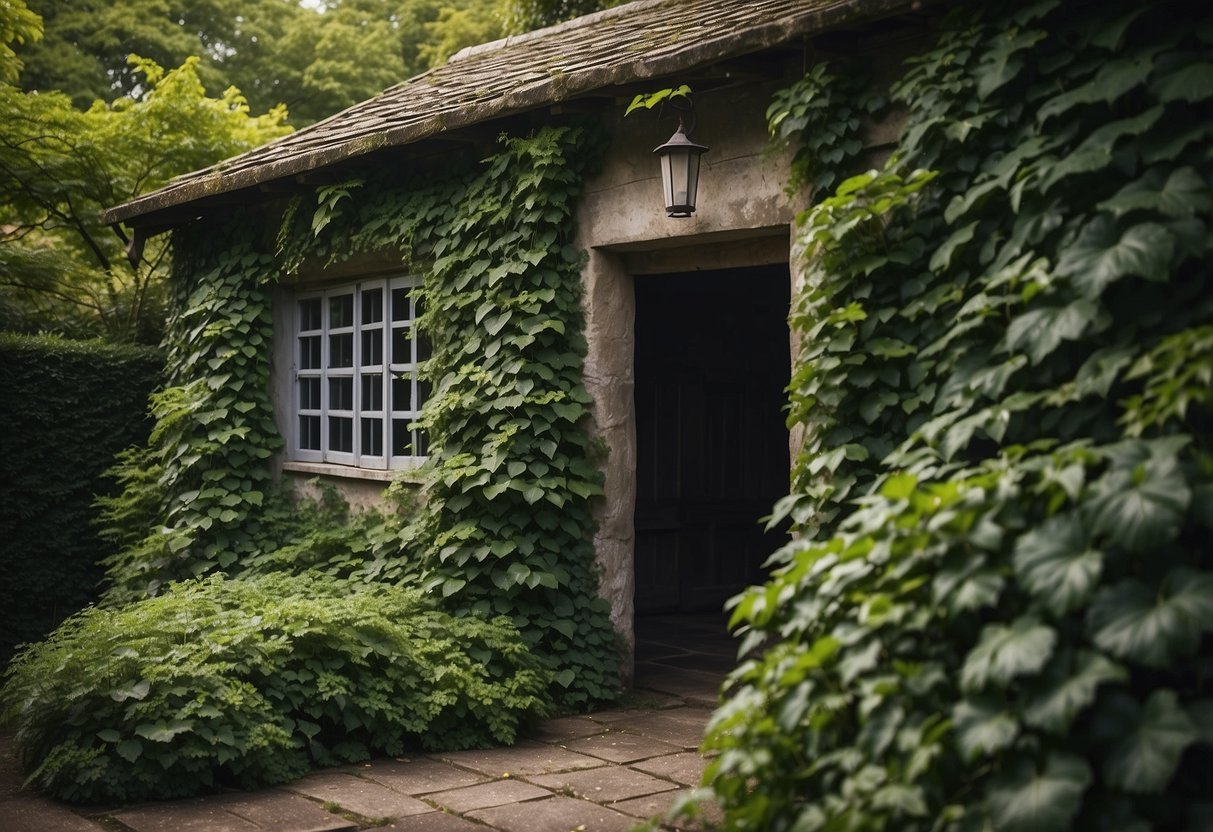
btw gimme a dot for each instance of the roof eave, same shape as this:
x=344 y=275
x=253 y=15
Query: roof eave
x=205 y=184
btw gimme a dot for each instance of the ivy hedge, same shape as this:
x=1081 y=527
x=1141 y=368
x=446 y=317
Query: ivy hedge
x=998 y=612
x=67 y=408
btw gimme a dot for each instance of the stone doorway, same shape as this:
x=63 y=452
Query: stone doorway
x=711 y=364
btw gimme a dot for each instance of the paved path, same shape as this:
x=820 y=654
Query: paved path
x=599 y=773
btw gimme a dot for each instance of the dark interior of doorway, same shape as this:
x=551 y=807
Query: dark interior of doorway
x=711 y=364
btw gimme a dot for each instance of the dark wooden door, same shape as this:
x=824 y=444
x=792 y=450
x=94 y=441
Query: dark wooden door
x=712 y=447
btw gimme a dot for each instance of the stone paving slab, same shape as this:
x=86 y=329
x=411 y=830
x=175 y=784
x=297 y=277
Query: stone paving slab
x=686 y=768
x=417 y=776
x=362 y=797
x=435 y=822
x=605 y=785
x=556 y=814
x=487 y=795
x=620 y=747
x=34 y=814
x=681 y=732
x=197 y=815
x=282 y=811
x=566 y=728
x=525 y=758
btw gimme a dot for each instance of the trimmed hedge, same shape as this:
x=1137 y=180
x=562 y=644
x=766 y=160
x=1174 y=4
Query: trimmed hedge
x=66 y=408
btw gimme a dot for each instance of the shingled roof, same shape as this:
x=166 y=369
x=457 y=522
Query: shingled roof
x=627 y=44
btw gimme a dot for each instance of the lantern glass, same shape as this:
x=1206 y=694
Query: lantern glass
x=679 y=173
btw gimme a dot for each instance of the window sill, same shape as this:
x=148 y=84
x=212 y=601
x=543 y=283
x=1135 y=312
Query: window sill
x=325 y=469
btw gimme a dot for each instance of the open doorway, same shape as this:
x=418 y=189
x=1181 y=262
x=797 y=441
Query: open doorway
x=711 y=364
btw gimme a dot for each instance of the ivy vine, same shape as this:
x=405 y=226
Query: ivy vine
x=998 y=614
x=506 y=525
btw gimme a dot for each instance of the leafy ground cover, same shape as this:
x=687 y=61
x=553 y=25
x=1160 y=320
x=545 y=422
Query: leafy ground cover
x=251 y=682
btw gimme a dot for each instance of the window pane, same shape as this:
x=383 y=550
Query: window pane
x=402 y=347
x=309 y=314
x=372 y=392
x=402 y=438
x=309 y=394
x=341 y=434
x=341 y=394
x=372 y=306
x=372 y=437
x=372 y=347
x=341 y=311
x=422 y=446
x=309 y=432
x=401 y=308
x=309 y=353
x=423 y=392
x=424 y=350
x=402 y=393
x=341 y=350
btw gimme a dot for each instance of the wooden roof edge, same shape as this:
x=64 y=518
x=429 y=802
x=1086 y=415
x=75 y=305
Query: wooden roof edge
x=228 y=176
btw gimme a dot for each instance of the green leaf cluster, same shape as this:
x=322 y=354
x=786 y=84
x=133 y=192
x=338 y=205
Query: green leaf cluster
x=250 y=682
x=998 y=614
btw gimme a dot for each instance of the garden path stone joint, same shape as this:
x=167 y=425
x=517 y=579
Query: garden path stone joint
x=688 y=348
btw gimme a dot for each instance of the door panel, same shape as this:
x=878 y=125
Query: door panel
x=711 y=365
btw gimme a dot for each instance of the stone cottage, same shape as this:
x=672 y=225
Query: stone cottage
x=688 y=345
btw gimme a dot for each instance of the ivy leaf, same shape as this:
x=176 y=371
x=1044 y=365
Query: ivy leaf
x=1038 y=332
x=1192 y=83
x=942 y=258
x=1067 y=687
x=1025 y=799
x=1006 y=652
x=1100 y=256
x=983 y=727
x=1112 y=81
x=1145 y=743
x=1143 y=508
x=1156 y=628
x=1183 y=193
x=129 y=750
x=1055 y=563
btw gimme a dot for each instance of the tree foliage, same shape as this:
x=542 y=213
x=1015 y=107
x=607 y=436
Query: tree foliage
x=315 y=61
x=61 y=269
x=999 y=612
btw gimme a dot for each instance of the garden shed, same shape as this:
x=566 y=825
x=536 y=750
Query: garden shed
x=677 y=328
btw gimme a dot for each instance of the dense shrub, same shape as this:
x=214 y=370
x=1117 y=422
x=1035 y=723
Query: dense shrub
x=248 y=682
x=67 y=408
x=998 y=614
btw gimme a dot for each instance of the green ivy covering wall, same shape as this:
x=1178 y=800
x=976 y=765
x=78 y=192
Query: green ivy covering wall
x=506 y=526
x=998 y=615
x=67 y=407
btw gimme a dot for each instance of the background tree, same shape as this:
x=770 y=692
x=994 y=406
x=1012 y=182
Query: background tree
x=62 y=270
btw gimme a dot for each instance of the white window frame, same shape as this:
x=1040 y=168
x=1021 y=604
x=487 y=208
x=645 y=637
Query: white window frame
x=365 y=393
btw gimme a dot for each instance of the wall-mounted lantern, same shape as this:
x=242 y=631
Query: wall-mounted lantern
x=680 y=172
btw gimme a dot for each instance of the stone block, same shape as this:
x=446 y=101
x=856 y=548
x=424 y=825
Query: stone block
x=486 y=795
x=686 y=768
x=418 y=775
x=362 y=797
x=282 y=811
x=204 y=814
x=36 y=814
x=556 y=814
x=619 y=747
x=566 y=728
x=523 y=759
x=605 y=785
